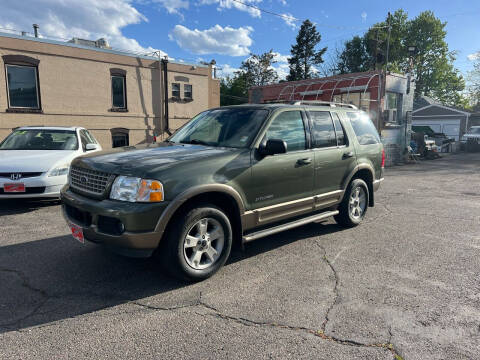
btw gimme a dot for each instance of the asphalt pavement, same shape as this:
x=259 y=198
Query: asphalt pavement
x=403 y=285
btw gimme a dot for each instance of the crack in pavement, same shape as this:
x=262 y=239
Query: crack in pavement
x=214 y=312
x=26 y=284
x=335 y=287
x=322 y=332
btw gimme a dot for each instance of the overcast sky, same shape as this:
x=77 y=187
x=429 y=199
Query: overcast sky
x=227 y=31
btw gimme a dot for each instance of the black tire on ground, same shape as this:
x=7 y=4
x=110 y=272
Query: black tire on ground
x=345 y=216
x=172 y=252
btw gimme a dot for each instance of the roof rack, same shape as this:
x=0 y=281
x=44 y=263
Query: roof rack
x=322 y=103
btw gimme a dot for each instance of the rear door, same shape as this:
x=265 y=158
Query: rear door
x=369 y=147
x=283 y=183
x=334 y=156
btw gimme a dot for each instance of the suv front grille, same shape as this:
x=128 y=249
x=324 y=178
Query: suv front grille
x=90 y=181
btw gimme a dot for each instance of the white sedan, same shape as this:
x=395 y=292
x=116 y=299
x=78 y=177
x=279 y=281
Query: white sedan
x=34 y=161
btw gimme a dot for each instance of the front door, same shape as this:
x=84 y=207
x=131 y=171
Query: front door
x=283 y=183
x=334 y=157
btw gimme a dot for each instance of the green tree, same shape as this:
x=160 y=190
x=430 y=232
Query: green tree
x=256 y=70
x=304 y=55
x=233 y=91
x=376 y=41
x=433 y=64
x=474 y=86
x=354 y=57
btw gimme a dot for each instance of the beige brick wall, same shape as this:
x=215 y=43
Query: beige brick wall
x=75 y=88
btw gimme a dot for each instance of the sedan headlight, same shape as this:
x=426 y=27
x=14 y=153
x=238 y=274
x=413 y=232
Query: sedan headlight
x=60 y=170
x=133 y=189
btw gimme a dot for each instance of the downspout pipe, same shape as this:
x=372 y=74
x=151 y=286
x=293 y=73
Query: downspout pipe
x=165 y=92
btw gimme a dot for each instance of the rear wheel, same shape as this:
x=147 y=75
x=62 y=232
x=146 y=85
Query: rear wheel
x=198 y=244
x=354 y=205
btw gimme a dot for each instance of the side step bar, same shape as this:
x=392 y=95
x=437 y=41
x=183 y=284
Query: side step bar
x=287 y=226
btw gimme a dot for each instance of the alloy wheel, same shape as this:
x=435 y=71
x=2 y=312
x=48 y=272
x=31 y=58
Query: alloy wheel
x=203 y=244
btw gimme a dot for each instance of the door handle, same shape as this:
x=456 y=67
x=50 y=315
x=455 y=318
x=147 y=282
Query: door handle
x=305 y=161
x=347 y=155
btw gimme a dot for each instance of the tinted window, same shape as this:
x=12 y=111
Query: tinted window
x=363 y=128
x=22 y=86
x=323 y=130
x=118 y=92
x=40 y=139
x=288 y=126
x=222 y=127
x=341 y=139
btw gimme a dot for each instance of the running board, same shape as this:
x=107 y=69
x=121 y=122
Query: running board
x=288 y=226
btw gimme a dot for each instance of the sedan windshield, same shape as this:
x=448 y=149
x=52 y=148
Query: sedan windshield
x=231 y=127
x=475 y=131
x=40 y=139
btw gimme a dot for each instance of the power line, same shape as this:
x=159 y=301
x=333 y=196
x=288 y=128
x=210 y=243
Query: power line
x=293 y=18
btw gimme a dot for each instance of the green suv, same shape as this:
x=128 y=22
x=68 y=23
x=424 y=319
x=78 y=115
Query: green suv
x=231 y=174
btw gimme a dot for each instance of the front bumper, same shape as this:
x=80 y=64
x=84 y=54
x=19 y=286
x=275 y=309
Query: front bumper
x=126 y=228
x=42 y=186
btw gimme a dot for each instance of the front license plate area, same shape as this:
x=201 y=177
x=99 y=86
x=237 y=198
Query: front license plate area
x=14 y=188
x=77 y=233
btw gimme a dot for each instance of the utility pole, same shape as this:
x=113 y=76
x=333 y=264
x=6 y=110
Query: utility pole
x=388 y=42
x=376 y=51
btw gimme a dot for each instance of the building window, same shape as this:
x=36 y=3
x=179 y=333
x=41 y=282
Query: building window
x=118 y=92
x=187 y=91
x=176 y=90
x=360 y=99
x=120 y=137
x=392 y=101
x=22 y=84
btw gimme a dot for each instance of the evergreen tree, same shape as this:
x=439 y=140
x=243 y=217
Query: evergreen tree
x=304 y=55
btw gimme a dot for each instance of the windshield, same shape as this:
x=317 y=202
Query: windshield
x=475 y=130
x=222 y=127
x=40 y=139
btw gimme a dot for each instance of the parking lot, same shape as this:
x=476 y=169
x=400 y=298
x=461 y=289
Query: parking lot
x=405 y=284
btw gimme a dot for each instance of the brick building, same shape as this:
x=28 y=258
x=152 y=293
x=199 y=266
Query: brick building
x=123 y=98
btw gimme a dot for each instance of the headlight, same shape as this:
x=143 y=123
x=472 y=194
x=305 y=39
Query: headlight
x=61 y=170
x=134 y=189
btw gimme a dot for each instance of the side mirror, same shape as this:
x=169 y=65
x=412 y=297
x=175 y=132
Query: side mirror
x=272 y=147
x=90 y=147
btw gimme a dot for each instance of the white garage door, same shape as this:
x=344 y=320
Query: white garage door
x=451 y=128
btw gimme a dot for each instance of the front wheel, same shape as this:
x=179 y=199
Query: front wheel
x=354 y=205
x=198 y=244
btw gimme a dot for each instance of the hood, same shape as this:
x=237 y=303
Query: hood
x=472 y=136
x=33 y=160
x=142 y=160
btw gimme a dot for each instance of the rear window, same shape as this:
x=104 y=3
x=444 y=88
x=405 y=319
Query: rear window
x=363 y=127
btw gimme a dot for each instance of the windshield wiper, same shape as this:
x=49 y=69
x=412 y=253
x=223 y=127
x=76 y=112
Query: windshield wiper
x=196 y=142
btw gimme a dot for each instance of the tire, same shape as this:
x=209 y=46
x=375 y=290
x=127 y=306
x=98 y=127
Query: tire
x=354 y=205
x=198 y=243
